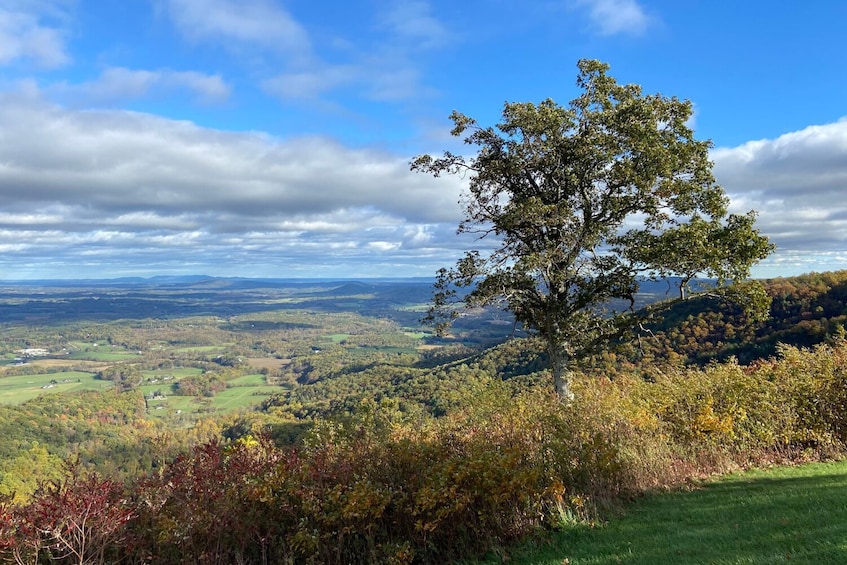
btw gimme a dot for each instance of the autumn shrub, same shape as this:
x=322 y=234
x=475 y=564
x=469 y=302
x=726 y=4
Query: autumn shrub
x=374 y=491
x=82 y=518
x=729 y=414
x=374 y=488
x=212 y=506
x=813 y=386
x=601 y=447
x=724 y=406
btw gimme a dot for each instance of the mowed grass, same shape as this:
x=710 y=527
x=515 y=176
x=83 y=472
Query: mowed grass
x=19 y=389
x=782 y=515
x=336 y=338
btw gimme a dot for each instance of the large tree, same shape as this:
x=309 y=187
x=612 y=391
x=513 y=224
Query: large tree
x=580 y=204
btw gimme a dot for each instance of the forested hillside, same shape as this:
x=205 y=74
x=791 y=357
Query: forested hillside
x=303 y=425
x=805 y=311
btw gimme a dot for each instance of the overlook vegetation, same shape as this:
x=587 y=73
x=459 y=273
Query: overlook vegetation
x=321 y=423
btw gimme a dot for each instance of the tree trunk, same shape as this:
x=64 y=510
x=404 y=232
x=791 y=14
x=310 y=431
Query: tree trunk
x=561 y=371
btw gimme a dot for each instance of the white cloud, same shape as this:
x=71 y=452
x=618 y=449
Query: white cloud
x=411 y=23
x=386 y=69
x=378 y=79
x=25 y=37
x=313 y=83
x=118 y=84
x=613 y=17
x=797 y=182
x=257 y=22
x=122 y=188
x=209 y=88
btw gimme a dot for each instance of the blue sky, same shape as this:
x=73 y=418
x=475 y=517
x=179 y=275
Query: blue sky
x=271 y=138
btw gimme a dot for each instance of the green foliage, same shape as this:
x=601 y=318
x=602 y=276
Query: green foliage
x=581 y=201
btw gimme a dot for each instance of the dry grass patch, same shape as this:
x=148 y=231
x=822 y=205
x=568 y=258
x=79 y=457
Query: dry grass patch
x=267 y=362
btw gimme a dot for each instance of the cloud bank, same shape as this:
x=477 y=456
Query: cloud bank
x=798 y=184
x=105 y=185
x=118 y=189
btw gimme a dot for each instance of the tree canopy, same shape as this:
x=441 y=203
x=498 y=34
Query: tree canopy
x=583 y=201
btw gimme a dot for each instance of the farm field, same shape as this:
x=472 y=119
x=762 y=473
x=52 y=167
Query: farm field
x=19 y=389
x=239 y=341
x=242 y=393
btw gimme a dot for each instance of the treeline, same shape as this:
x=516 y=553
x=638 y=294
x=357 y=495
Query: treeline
x=377 y=487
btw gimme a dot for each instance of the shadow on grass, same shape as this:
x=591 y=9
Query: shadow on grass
x=796 y=515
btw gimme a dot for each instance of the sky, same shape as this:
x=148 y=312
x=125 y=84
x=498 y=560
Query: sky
x=272 y=138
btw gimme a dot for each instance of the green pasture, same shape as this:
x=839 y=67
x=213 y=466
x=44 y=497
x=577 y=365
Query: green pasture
x=415 y=334
x=19 y=389
x=248 y=381
x=106 y=354
x=336 y=338
x=238 y=397
x=172 y=405
x=781 y=515
x=243 y=392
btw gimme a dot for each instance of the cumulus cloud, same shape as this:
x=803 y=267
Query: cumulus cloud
x=130 y=193
x=25 y=36
x=613 y=17
x=126 y=187
x=797 y=182
x=379 y=80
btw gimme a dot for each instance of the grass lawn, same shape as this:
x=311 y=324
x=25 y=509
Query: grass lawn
x=336 y=338
x=783 y=515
